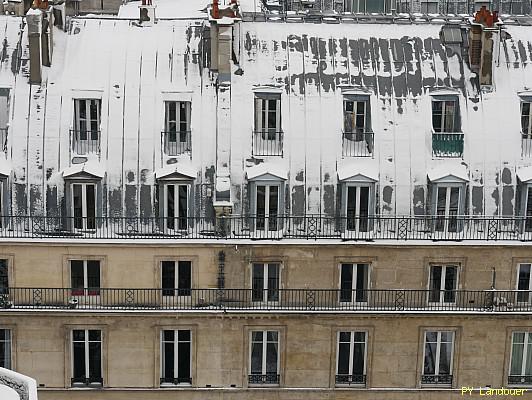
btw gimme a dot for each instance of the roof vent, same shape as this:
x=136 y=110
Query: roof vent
x=147 y=13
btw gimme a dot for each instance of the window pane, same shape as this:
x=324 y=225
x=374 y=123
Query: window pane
x=95 y=361
x=449 y=116
x=358 y=359
x=361 y=282
x=523 y=283
x=450 y=283
x=78 y=335
x=516 y=364
x=184 y=278
x=183 y=362
x=445 y=358
x=183 y=335
x=256 y=358
x=168 y=277
x=345 y=336
x=271 y=358
x=436 y=115
x=168 y=360
x=183 y=201
x=77 y=280
x=346 y=282
x=168 y=335
x=361 y=116
x=4 y=279
x=91 y=201
x=5 y=348
x=273 y=282
x=435 y=282
x=78 y=355
x=257 y=282
x=430 y=359
x=93 y=274
x=343 y=358
x=272 y=336
x=256 y=336
x=77 y=202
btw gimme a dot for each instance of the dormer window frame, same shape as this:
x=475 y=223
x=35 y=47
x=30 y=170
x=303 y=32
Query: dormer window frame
x=445 y=101
x=267 y=126
x=177 y=133
x=526 y=116
x=86 y=125
x=166 y=198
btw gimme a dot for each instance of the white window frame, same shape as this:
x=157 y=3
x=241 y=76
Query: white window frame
x=264 y=349
x=176 y=216
x=357 y=215
x=176 y=280
x=445 y=116
x=176 y=356
x=527 y=133
x=351 y=353
x=265 y=281
x=527 y=338
x=260 y=111
x=438 y=352
x=86 y=348
x=84 y=208
x=180 y=145
x=86 y=291
x=355 y=269
x=442 y=290
x=267 y=186
x=446 y=216
x=529 y=295
x=8 y=344
x=85 y=143
x=354 y=114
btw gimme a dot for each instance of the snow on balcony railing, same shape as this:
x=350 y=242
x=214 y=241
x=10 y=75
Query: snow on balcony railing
x=267 y=143
x=304 y=300
x=357 y=144
x=447 y=144
x=365 y=228
x=85 y=141
x=177 y=142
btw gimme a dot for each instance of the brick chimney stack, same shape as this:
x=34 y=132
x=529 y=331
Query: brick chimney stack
x=483 y=39
x=147 y=13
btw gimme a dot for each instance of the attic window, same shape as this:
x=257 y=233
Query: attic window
x=451 y=34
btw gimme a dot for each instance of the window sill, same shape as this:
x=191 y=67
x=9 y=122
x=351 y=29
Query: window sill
x=177 y=385
x=263 y=385
x=350 y=386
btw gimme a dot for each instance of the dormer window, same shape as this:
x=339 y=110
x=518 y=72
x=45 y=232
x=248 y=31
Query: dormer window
x=526 y=118
x=4 y=118
x=357 y=137
x=86 y=133
x=447 y=139
x=177 y=138
x=268 y=135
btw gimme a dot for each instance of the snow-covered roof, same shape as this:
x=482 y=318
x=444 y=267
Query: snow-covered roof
x=449 y=171
x=90 y=168
x=167 y=9
x=182 y=168
x=5 y=166
x=358 y=170
x=265 y=170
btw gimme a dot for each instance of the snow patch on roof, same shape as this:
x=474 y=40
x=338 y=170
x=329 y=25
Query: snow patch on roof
x=267 y=168
x=449 y=171
x=180 y=168
x=525 y=174
x=5 y=166
x=358 y=170
x=90 y=167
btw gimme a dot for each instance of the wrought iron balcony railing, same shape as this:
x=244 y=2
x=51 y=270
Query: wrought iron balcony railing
x=266 y=379
x=520 y=380
x=267 y=143
x=241 y=227
x=436 y=379
x=91 y=381
x=85 y=141
x=357 y=144
x=343 y=379
x=447 y=144
x=175 y=381
x=177 y=142
x=302 y=300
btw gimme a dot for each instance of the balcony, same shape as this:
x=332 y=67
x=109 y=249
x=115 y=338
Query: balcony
x=437 y=380
x=357 y=144
x=286 y=300
x=525 y=380
x=350 y=380
x=176 y=143
x=266 y=379
x=285 y=227
x=448 y=145
x=267 y=143
x=85 y=142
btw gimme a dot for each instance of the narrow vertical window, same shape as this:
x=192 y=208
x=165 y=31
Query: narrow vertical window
x=86 y=357
x=524 y=284
x=448 y=201
x=438 y=358
x=177 y=138
x=358 y=208
x=267 y=207
x=85 y=277
x=5 y=348
x=354 y=283
x=86 y=133
x=4 y=277
x=443 y=283
x=84 y=205
x=176 y=278
x=357 y=138
x=521 y=359
x=176 y=206
x=447 y=139
x=526 y=119
x=264 y=357
x=527 y=207
x=265 y=282
x=267 y=138
x=4 y=118
x=444 y=115
x=176 y=357
x=351 y=358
